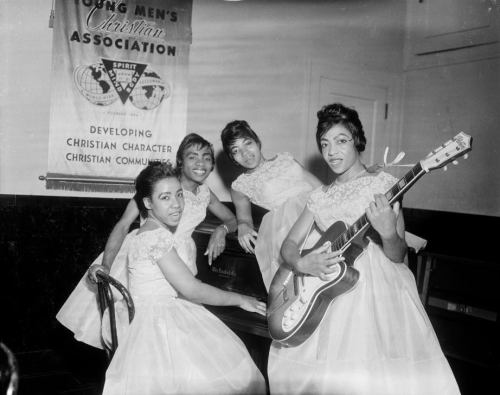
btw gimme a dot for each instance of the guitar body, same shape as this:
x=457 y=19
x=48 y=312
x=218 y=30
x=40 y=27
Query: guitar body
x=298 y=302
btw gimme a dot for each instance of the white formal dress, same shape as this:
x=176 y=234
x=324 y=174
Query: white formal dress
x=375 y=339
x=80 y=312
x=174 y=346
x=280 y=186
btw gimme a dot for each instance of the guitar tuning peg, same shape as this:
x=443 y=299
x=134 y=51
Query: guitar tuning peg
x=466 y=156
x=445 y=168
x=455 y=162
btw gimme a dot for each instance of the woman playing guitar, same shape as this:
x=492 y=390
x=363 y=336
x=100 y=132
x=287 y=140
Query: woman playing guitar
x=376 y=338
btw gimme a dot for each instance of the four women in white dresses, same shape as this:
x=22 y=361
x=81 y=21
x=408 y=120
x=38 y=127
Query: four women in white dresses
x=376 y=339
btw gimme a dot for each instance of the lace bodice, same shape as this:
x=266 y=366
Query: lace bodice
x=195 y=210
x=145 y=277
x=347 y=202
x=150 y=246
x=274 y=182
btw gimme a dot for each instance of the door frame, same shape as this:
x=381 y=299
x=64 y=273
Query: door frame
x=352 y=74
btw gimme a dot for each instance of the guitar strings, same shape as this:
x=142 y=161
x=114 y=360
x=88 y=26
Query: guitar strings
x=345 y=237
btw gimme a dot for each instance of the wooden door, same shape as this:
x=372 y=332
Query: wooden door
x=370 y=96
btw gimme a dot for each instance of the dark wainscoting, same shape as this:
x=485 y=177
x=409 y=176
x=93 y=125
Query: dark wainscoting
x=455 y=234
x=47 y=244
x=463 y=294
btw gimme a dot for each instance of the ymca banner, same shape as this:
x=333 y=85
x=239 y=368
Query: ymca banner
x=119 y=90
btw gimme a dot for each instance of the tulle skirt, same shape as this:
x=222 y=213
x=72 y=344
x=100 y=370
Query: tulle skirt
x=80 y=313
x=375 y=339
x=273 y=229
x=178 y=347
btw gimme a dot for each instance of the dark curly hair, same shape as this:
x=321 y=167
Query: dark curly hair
x=147 y=179
x=338 y=114
x=237 y=130
x=192 y=139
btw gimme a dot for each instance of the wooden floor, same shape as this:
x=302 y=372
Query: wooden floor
x=475 y=379
x=78 y=371
x=472 y=352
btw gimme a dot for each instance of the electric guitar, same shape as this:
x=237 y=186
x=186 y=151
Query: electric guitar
x=298 y=302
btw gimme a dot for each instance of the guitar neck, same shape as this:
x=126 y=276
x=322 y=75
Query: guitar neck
x=393 y=194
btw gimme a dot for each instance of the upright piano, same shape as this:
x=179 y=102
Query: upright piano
x=238 y=271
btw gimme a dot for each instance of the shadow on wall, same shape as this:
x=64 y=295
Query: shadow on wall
x=227 y=170
x=316 y=165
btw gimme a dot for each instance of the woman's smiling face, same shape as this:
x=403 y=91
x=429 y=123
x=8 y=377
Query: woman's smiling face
x=197 y=163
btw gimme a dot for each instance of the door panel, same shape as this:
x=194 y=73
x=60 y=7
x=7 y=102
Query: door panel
x=370 y=103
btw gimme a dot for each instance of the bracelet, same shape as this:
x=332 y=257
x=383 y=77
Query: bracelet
x=224 y=226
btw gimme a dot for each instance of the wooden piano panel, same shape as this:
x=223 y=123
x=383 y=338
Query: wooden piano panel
x=234 y=270
x=237 y=271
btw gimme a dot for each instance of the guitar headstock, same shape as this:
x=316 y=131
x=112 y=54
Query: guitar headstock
x=448 y=152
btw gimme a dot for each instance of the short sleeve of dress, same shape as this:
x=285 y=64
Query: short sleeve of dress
x=160 y=244
x=238 y=184
x=312 y=202
x=247 y=183
x=387 y=181
x=204 y=190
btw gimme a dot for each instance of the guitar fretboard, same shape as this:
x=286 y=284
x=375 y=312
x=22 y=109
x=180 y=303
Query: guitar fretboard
x=392 y=195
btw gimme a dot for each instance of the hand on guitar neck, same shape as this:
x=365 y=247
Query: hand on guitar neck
x=389 y=225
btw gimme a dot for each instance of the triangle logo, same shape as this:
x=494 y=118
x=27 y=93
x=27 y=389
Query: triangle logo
x=124 y=76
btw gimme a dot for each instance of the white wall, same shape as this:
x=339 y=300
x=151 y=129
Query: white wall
x=26 y=47
x=251 y=60
x=452 y=84
x=453 y=98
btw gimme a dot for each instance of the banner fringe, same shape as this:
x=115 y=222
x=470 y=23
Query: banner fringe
x=89 y=187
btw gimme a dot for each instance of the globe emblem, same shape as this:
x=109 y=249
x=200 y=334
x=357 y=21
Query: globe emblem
x=149 y=91
x=94 y=84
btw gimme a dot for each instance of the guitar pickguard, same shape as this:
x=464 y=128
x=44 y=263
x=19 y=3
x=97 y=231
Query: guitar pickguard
x=307 y=288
